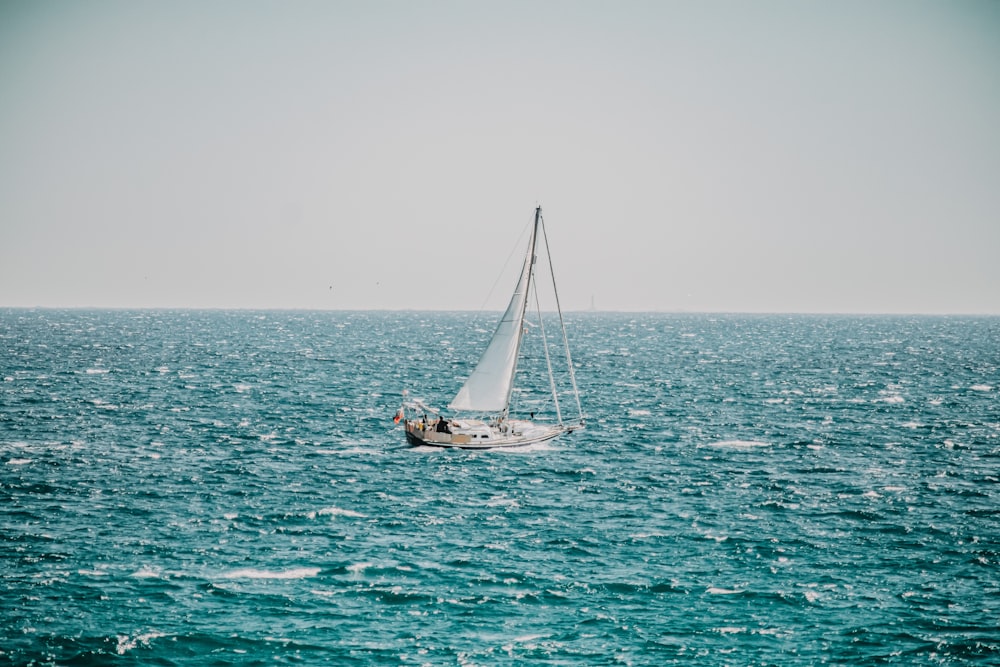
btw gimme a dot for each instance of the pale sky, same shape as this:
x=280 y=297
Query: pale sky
x=701 y=156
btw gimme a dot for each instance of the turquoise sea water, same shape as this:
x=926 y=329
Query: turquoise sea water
x=228 y=488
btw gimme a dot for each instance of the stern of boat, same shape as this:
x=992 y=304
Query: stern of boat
x=418 y=433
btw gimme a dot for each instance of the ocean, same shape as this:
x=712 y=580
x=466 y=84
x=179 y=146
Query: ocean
x=229 y=488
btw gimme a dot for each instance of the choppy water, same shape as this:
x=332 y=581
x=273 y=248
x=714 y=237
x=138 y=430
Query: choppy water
x=188 y=488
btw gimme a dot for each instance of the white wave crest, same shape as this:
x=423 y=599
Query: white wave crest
x=502 y=501
x=359 y=567
x=335 y=511
x=126 y=643
x=254 y=573
x=92 y=573
x=739 y=444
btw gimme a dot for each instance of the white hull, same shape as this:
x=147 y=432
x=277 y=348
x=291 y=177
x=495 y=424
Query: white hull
x=475 y=434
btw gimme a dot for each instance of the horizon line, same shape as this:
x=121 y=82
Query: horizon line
x=583 y=311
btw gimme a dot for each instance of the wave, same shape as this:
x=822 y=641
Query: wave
x=127 y=643
x=254 y=573
x=738 y=444
x=335 y=511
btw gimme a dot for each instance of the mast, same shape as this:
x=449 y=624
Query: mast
x=530 y=261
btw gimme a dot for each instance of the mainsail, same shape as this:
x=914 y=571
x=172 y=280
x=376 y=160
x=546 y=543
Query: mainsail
x=489 y=386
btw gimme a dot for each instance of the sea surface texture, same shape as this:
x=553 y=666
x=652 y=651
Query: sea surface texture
x=228 y=488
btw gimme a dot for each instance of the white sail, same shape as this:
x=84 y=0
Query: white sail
x=488 y=387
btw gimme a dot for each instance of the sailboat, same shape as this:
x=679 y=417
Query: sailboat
x=483 y=403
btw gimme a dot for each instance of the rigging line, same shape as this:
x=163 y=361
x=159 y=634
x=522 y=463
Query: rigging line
x=562 y=323
x=503 y=271
x=548 y=359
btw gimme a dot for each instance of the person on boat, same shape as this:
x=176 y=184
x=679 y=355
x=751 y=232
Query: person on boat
x=442 y=426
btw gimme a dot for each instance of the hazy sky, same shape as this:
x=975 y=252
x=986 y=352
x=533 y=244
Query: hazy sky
x=706 y=156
